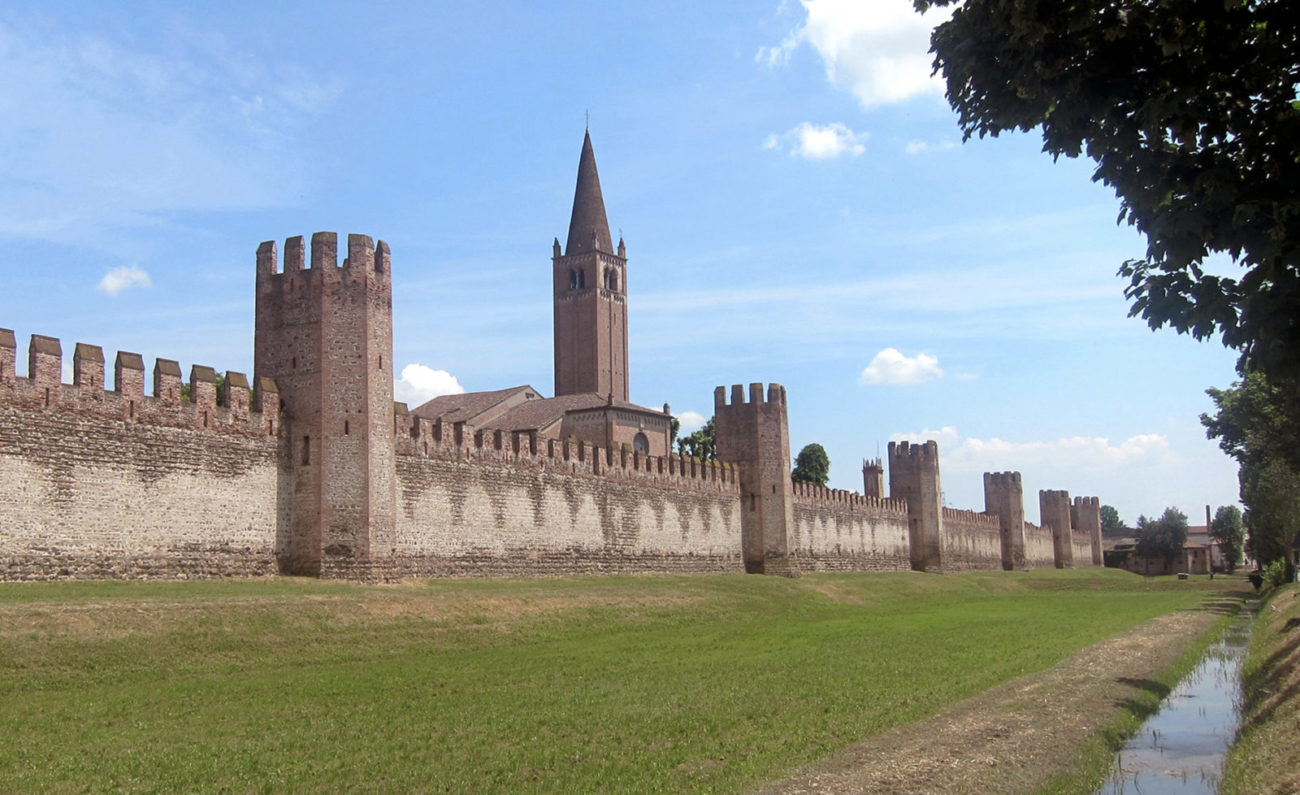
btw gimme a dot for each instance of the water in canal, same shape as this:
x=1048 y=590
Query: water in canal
x=1181 y=748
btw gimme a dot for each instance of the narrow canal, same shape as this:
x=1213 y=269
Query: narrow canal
x=1181 y=748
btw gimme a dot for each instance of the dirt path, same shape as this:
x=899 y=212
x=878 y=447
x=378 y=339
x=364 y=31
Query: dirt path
x=1015 y=737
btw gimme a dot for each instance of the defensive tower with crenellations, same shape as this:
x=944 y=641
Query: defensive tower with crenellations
x=324 y=334
x=914 y=478
x=1004 y=497
x=755 y=436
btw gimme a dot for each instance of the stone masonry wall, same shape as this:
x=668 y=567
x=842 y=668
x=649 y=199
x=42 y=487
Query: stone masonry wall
x=1082 y=548
x=97 y=484
x=971 y=541
x=837 y=530
x=1039 y=547
x=497 y=505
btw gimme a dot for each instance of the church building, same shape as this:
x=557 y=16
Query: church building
x=589 y=288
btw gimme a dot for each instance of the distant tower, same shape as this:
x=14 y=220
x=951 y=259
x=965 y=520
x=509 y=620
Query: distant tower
x=1004 y=497
x=756 y=437
x=590 y=288
x=1054 y=513
x=914 y=477
x=325 y=335
x=873 y=478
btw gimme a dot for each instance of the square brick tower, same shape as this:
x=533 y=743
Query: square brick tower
x=589 y=282
x=325 y=335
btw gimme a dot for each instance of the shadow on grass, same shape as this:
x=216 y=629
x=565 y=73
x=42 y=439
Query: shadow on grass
x=1137 y=704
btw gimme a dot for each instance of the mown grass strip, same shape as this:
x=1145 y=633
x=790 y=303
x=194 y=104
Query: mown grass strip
x=616 y=683
x=1266 y=756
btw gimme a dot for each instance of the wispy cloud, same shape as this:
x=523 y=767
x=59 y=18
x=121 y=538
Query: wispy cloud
x=879 y=50
x=420 y=384
x=814 y=142
x=919 y=147
x=1086 y=453
x=113 y=134
x=890 y=366
x=125 y=277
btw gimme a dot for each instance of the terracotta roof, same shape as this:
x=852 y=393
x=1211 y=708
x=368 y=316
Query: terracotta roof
x=588 y=208
x=468 y=405
x=540 y=414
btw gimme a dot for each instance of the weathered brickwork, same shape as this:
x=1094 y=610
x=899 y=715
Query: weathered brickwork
x=1040 y=549
x=971 y=541
x=83 y=495
x=838 y=530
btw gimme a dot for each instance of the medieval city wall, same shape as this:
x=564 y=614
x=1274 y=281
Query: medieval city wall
x=476 y=503
x=99 y=484
x=1082 y=547
x=971 y=540
x=836 y=530
x=1039 y=549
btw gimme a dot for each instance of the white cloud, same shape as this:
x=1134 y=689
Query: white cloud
x=891 y=367
x=879 y=50
x=918 y=147
x=420 y=384
x=125 y=277
x=1091 y=453
x=691 y=421
x=810 y=141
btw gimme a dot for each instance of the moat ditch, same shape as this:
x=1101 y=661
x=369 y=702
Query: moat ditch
x=1181 y=748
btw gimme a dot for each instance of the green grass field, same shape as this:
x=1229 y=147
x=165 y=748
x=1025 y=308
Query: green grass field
x=610 y=683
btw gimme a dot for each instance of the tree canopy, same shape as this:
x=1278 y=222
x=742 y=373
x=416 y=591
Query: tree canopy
x=700 y=443
x=1111 y=524
x=1163 y=537
x=812 y=465
x=1189 y=109
x=1227 y=529
x=1253 y=425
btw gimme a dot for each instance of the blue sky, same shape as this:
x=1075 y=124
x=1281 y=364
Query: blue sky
x=796 y=199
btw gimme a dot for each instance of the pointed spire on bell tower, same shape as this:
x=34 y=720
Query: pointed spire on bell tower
x=588 y=227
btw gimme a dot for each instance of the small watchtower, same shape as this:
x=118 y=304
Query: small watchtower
x=755 y=435
x=914 y=477
x=1054 y=510
x=1085 y=515
x=873 y=478
x=1004 y=497
x=324 y=334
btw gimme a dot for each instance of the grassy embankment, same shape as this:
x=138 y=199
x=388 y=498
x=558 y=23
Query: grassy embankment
x=588 y=684
x=1266 y=757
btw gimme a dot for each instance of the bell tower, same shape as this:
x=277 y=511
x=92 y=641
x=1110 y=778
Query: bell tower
x=589 y=283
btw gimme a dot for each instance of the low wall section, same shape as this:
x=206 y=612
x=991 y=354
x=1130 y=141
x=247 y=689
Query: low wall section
x=971 y=541
x=1039 y=550
x=476 y=503
x=1082 y=546
x=837 y=530
x=100 y=484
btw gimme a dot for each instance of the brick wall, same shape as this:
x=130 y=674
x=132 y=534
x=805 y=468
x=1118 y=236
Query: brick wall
x=1040 y=550
x=971 y=541
x=496 y=512
x=837 y=530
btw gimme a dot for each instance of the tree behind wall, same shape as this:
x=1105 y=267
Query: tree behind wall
x=812 y=465
x=1226 y=528
x=1163 y=537
x=1111 y=525
x=699 y=444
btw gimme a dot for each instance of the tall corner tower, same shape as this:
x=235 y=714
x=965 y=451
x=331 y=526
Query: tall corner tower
x=325 y=335
x=589 y=283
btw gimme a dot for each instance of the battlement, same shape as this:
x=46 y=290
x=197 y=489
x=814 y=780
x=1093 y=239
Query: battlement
x=963 y=516
x=1002 y=480
x=775 y=396
x=1087 y=502
x=204 y=409
x=810 y=494
x=904 y=453
x=424 y=438
x=363 y=255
